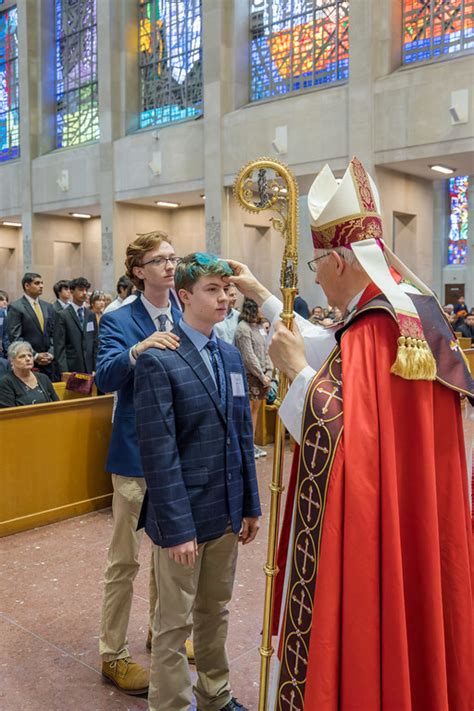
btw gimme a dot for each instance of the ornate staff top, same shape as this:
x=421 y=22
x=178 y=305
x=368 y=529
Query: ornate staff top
x=267 y=184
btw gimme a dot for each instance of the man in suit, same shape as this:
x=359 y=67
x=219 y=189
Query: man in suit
x=195 y=435
x=62 y=292
x=124 y=334
x=4 y=342
x=76 y=332
x=32 y=319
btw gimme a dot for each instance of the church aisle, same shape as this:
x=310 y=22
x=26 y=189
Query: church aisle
x=51 y=594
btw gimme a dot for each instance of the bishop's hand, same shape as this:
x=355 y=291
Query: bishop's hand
x=287 y=350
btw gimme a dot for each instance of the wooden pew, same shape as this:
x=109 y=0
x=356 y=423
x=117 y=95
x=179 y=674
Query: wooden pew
x=469 y=353
x=53 y=461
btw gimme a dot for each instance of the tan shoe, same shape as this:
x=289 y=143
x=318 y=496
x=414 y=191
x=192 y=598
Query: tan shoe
x=127 y=675
x=189 y=647
x=190 y=651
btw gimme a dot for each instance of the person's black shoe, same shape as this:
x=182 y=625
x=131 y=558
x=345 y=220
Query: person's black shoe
x=233 y=705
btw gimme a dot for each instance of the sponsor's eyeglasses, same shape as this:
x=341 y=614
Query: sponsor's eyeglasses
x=312 y=264
x=162 y=261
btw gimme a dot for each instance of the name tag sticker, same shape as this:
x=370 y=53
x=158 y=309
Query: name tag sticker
x=90 y=326
x=238 y=389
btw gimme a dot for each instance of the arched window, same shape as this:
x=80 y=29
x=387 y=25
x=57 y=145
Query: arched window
x=458 y=219
x=170 y=61
x=77 y=103
x=432 y=28
x=9 y=86
x=297 y=44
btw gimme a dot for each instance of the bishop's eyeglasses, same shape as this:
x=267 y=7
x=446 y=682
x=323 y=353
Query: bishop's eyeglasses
x=312 y=262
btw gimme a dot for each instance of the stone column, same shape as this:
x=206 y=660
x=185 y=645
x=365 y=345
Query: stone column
x=224 y=33
x=109 y=43
x=29 y=78
x=439 y=241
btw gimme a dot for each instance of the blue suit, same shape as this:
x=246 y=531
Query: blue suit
x=119 y=330
x=198 y=460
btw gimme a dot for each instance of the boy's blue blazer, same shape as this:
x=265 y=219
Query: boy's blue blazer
x=198 y=460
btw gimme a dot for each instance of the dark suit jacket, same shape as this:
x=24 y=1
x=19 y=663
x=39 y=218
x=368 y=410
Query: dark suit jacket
x=4 y=341
x=75 y=345
x=12 y=391
x=22 y=325
x=198 y=460
x=57 y=307
x=119 y=330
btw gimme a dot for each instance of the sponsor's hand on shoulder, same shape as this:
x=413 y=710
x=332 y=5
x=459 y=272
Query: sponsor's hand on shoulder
x=287 y=350
x=158 y=339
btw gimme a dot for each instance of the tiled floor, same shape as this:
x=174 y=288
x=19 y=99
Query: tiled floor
x=50 y=598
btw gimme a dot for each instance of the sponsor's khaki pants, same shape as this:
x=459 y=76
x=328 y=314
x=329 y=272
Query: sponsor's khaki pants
x=192 y=599
x=122 y=567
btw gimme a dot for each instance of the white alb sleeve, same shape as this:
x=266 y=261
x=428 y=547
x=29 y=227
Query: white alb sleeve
x=291 y=409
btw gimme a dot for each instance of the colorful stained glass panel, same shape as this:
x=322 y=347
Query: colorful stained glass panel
x=432 y=28
x=459 y=211
x=297 y=44
x=170 y=61
x=9 y=86
x=77 y=104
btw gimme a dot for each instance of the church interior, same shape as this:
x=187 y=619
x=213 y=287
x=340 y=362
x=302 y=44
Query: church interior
x=122 y=117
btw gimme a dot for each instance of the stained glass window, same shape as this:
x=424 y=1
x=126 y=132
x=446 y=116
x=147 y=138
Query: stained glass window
x=297 y=44
x=457 y=239
x=9 y=86
x=77 y=105
x=432 y=28
x=170 y=60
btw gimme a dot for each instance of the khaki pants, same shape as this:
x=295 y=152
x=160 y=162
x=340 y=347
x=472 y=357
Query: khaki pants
x=122 y=567
x=192 y=598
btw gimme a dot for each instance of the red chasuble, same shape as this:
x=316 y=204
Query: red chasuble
x=386 y=621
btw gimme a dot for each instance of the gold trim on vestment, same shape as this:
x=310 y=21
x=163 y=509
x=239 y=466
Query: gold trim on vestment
x=322 y=428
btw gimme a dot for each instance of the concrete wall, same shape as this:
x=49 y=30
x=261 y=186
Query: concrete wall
x=386 y=114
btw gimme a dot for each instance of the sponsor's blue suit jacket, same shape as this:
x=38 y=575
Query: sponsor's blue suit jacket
x=118 y=331
x=198 y=459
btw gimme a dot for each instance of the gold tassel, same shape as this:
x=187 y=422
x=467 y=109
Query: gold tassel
x=414 y=360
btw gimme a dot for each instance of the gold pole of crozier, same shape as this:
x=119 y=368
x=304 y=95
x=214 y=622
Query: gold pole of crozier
x=279 y=194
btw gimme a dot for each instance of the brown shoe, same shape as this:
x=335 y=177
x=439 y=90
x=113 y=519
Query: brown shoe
x=127 y=675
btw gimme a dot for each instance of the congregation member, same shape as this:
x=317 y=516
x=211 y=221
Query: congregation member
x=195 y=434
x=382 y=605
x=62 y=292
x=467 y=328
x=31 y=319
x=4 y=342
x=76 y=332
x=317 y=314
x=226 y=329
x=301 y=306
x=124 y=289
x=22 y=386
x=250 y=339
x=97 y=304
x=126 y=332
x=461 y=308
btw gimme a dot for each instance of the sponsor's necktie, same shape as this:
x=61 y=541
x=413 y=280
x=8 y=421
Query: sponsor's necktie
x=80 y=313
x=162 y=319
x=219 y=372
x=39 y=314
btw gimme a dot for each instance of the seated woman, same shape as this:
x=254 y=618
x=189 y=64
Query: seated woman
x=22 y=386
